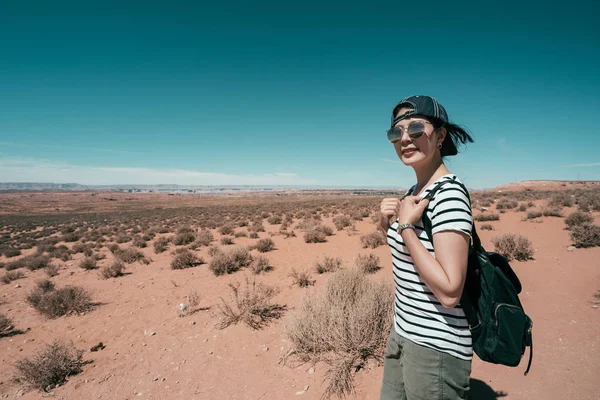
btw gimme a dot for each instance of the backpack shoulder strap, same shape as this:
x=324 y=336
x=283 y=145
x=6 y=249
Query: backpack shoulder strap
x=427 y=221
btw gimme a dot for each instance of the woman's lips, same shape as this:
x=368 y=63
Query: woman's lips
x=409 y=152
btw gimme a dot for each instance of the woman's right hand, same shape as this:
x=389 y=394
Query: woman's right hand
x=390 y=207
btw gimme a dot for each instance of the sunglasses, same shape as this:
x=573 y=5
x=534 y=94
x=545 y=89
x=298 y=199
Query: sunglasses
x=415 y=130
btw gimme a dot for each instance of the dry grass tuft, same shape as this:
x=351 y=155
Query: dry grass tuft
x=487 y=217
x=252 y=305
x=579 y=218
x=302 y=278
x=513 y=246
x=329 y=264
x=185 y=259
x=161 y=245
x=113 y=271
x=51 y=367
x=259 y=265
x=10 y=276
x=586 y=235
x=373 y=240
x=346 y=326
x=191 y=306
x=368 y=263
x=55 y=303
x=6 y=325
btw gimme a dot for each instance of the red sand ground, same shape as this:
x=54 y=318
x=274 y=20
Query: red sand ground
x=188 y=358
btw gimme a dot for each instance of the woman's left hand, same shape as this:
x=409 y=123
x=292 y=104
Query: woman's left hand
x=411 y=209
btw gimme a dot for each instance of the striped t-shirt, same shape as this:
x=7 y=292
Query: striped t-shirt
x=419 y=316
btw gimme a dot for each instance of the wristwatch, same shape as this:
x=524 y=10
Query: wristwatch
x=402 y=227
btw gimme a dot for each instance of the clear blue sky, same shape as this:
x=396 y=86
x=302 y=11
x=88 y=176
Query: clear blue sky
x=108 y=92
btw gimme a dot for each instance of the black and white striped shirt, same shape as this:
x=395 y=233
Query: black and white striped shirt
x=419 y=316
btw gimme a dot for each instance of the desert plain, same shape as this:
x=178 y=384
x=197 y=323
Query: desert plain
x=161 y=315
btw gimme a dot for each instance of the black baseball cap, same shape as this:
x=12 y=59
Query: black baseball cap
x=430 y=108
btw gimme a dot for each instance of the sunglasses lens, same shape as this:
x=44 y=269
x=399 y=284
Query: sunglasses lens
x=416 y=130
x=394 y=134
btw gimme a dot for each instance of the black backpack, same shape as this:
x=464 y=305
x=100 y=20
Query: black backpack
x=500 y=329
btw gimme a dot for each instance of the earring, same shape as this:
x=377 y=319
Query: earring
x=439 y=145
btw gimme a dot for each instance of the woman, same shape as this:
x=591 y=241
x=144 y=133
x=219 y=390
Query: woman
x=429 y=350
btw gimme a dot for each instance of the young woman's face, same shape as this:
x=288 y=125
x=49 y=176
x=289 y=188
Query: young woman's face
x=414 y=151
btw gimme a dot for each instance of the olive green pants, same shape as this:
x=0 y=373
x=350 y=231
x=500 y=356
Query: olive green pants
x=415 y=372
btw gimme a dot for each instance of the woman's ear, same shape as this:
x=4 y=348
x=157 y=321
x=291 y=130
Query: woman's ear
x=441 y=134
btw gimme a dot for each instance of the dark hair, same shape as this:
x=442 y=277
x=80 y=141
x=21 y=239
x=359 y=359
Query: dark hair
x=455 y=132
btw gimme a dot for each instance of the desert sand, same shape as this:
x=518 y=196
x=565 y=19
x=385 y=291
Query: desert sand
x=153 y=353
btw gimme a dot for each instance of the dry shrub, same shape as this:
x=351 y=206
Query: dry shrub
x=287 y=234
x=10 y=276
x=253 y=235
x=6 y=326
x=52 y=270
x=506 y=204
x=55 y=303
x=274 y=219
x=113 y=271
x=130 y=255
x=227 y=229
x=533 y=214
x=252 y=305
x=51 y=367
x=122 y=238
x=487 y=217
x=204 y=237
x=265 y=245
x=61 y=252
x=161 y=245
x=341 y=221
x=560 y=200
x=302 y=278
x=487 y=227
x=85 y=248
x=11 y=252
x=230 y=261
x=589 y=202
x=552 y=212
x=346 y=326
x=513 y=246
x=191 y=306
x=368 y=263
x=226 y=240
x=586 y=235
x=373 y=240
x=88 y=263
x=522 y=207
x=329 y=264
x=185 y=259
x=257 y=227
x=259 y=265
x=184 y=235
x=240 y=234
x=579 y=218
x=315 y=236
x=139 y=242
x=213 y=250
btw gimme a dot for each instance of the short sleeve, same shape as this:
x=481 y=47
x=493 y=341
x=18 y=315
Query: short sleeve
x=451 y=210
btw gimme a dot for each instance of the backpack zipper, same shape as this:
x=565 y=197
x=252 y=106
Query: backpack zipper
x=498 y=306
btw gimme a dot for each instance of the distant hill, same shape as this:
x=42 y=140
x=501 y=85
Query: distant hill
x=548 y=185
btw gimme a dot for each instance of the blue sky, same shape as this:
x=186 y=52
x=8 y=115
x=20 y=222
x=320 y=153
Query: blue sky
x=292 y=93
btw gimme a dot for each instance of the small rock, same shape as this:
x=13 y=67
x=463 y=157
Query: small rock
x=192 y=322
x=17 y=285
x=149 y=332
x=266 y=348
x=306 y=388
x=594 y=306
x=155 y=378
x=311 y=370
x=300 y=393
x=571 y=248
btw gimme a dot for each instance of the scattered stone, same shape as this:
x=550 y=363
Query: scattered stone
x=311 y=370
x=17 y=285
x=149 y=332
x=306 y=388
x=571 y=248
x=192 y=322
x=155 y=378
x=266 y=348
x=300 y=393
x=99 y=346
